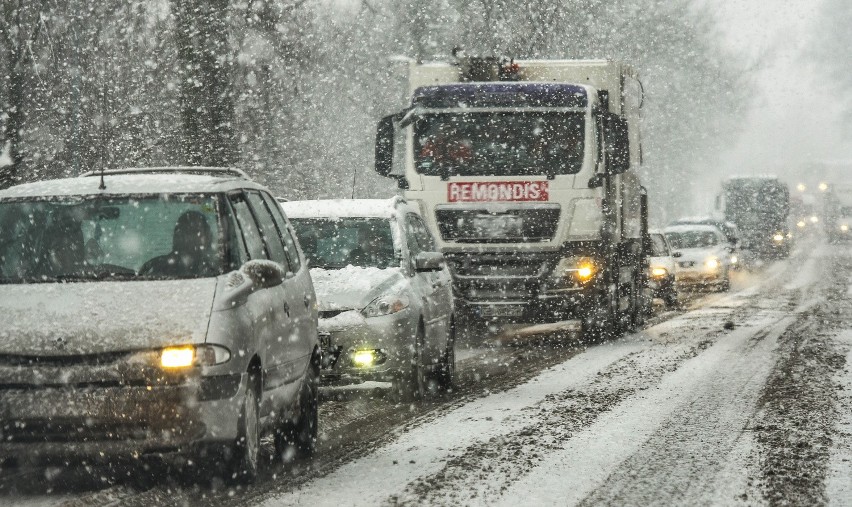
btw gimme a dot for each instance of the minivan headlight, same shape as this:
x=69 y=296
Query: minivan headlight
x=386 y=304
x=185 y=356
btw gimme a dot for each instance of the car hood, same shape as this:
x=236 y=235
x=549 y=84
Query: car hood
x=95 y=317
x=352 y=287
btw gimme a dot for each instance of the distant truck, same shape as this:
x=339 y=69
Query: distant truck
x=523 y=172
x=760 y=207
x=838 y=212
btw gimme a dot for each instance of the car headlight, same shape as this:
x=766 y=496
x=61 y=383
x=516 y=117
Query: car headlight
x=386 y=304
x=712 y=263
x=801 y=224
x=778 y=237
x=844 y=228
x=734 y=259
x=185 y=356
x=659 y=272
x=581 y=269
x=366 y=358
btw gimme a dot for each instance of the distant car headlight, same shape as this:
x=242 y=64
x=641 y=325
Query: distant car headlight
x=801 y=224
x=386 y=304
x=367 y=358
x=712 y=263
x=185 y=356
x=659 y=272
x=844 y=228
x=734 y=259
x=581 y=269
x=778 y=238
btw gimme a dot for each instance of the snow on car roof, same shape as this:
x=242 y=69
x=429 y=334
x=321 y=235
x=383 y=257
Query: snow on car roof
x=128 y=184
x=692 y=227
x=334 y=208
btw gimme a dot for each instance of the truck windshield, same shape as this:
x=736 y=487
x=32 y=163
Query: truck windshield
x=504 y=143
x=120 y=237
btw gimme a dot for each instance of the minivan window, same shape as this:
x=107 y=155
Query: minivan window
x=251 y=234
x=287 y=236
x=268 y=231
x=114 y=237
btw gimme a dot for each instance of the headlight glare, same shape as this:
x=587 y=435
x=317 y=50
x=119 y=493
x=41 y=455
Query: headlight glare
x=778 y=237
x=581 y=269
x=659 y=272
x=185 y=356
x=177 y=357
x=712 y=263
x=844 y=228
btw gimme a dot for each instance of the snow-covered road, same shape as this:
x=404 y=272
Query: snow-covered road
x=742 y=398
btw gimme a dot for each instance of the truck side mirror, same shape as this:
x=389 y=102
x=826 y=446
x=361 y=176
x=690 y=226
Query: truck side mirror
x=384 y=145
x=617 y=144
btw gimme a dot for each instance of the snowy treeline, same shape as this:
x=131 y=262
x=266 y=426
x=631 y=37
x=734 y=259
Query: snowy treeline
x=291 y=89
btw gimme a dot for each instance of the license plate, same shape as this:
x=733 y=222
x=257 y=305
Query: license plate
x=502 y=311
x=498 y=226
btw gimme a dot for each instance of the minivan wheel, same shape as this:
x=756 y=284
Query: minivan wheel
x=246 y=448
x=410 y=383
x=446 y=374
x=298 y=437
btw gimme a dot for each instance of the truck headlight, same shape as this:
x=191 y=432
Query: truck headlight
x=581 y=269
x=386 y=304
x=184 y=356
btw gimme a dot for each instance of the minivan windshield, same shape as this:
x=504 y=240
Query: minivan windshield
x=115 y=237
x=502 y=143
x=334 y=243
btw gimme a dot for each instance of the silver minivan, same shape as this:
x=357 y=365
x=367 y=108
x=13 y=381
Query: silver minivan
x=154 y=311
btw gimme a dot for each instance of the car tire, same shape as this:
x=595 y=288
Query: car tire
x=245 y=455
x=670 y=297
x=446 y=372
x=297 y=438
x=410 y=383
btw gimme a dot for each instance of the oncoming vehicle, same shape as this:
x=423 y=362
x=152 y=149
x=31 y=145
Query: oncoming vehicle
x=384 y=292
x=704 y=260
x=662 y=269
x=154 y=311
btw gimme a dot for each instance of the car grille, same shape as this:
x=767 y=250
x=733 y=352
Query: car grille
x=70 y=360
x=41 y=430
x=483 y=225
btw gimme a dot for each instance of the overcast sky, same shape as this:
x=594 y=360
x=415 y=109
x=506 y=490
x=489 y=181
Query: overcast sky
x=792 y=120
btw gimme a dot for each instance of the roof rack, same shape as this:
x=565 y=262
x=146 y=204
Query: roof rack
x=198 y=170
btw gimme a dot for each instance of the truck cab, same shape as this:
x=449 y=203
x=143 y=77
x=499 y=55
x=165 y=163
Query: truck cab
x=521 y=170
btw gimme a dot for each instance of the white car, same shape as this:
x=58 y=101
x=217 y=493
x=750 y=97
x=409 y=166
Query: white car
x=383 y=289
x=705 y=259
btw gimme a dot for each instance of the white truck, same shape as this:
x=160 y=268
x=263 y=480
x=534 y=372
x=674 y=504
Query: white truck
x=525 y=172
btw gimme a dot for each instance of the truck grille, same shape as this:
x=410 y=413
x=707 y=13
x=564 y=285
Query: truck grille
x=500 y=276
x=483 y=225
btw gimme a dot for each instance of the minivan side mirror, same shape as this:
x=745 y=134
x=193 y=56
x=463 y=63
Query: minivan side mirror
x=617 y=144
x=428 y=261
x=263 y=273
